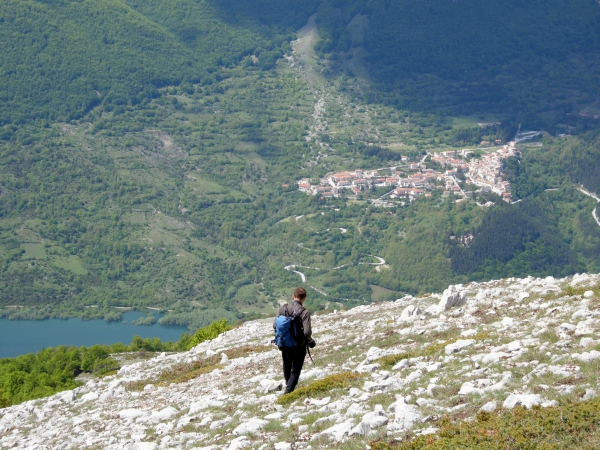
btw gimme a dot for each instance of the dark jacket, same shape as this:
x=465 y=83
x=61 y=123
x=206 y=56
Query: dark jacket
x=304 y=316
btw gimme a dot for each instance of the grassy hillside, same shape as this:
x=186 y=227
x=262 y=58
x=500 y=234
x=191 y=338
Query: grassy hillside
x=61 y=58
x=150 y=151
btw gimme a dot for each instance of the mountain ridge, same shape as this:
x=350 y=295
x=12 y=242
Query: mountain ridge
x=509 y=342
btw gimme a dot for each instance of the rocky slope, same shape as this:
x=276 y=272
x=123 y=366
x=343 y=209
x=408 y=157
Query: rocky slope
x=479 y=346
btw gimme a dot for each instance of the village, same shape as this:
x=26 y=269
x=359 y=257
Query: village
x=411 y=180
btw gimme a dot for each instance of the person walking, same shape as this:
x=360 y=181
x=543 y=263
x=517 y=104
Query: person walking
x=294 y=352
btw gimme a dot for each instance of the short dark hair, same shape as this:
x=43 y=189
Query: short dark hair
x=300 y=293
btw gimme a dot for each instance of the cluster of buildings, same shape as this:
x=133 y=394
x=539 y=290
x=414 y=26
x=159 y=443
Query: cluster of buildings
x=451 y=162
x=357 y=181
x=485 y=172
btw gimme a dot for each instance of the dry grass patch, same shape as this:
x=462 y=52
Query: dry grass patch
x=179 y=373
x=430 y=350
x=338 y=381
x=570 y=290
x=245 y=350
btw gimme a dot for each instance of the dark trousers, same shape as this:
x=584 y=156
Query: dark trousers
x=293 y=359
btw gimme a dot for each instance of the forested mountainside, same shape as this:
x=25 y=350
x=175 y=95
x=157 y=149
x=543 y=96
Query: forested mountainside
x=150 y=150
x=61 y=58
x=472 y=55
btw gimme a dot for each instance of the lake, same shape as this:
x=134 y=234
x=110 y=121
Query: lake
x=18 y=337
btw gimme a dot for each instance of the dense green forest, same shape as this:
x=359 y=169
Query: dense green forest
x=149 y=150
x=61 y=58
x=53 y=370
x=473 y=55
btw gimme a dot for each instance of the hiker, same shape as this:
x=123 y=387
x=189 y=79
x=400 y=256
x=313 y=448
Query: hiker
x=293 y=336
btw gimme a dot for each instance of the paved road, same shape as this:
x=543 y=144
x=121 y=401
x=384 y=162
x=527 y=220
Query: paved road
x=595 y=197
x=291 y=268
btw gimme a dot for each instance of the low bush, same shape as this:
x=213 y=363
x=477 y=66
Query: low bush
x=570 y=425
x=319 y=387
x=430 y=350
x=180 y=373
x=570 y=290
x=205 y=334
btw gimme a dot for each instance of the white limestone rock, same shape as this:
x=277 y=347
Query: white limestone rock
x=252 y=426
x=163 y=414
x=586 y=356
x=283 y=446
x=360 y=430
x=406 y=416
x=205 y=404
x=583 y=313
x=452 y=297
x=568 y=326
x=590 y=394
x=131 y=413
x=459 y=345
x=338 y=431
x=489 y=407
x=145 y=446
x=367 y=368
x=218 y=424
x=67 y=396
x=508 y=322
x=319 y=402
x=239 y=442
x=314 y=373
x=355 y=409
x=402 y=364
x=467 y=333
x=267 y=385
x=526 y=400
x=89 y=397
x=375 y=419
x=410 y=313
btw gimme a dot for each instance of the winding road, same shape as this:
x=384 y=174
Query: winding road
x=595 y=197
x=291 y=267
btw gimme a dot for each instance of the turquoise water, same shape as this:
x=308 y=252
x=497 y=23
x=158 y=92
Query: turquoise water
x=18 y=337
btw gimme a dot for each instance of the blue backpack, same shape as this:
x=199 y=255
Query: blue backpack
x=286 y=330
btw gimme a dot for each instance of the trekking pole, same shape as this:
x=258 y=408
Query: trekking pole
x=309 y=355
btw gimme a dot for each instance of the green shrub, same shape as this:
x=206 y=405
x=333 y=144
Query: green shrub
x=570 y=425
x=105 y=365
x=179 y=373
x=336 y=381
x=206 y=334
x=430 y=350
